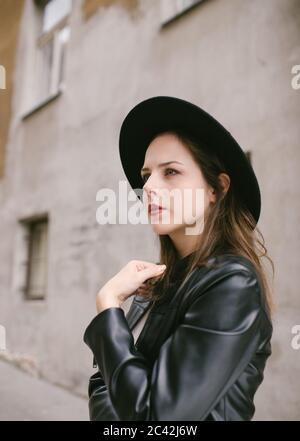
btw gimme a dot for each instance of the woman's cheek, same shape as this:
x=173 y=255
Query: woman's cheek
x=193 y=210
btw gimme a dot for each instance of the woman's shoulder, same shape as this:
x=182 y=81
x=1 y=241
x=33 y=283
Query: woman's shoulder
x=228 y=262
x=227 y=274
x=228 y=279
x=223 y=266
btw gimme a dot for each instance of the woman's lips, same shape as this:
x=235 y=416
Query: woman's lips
x=154 y=209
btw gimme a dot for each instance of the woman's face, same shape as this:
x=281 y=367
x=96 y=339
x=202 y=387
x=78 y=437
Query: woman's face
x=174 y=181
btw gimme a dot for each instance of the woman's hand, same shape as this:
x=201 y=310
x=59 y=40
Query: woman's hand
x=125 y=283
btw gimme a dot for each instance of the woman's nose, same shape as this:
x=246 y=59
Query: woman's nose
x=150 y=187
x=147 y=191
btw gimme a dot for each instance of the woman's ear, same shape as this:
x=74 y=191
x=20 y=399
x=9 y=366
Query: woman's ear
x=212 y=195
x=224 y=181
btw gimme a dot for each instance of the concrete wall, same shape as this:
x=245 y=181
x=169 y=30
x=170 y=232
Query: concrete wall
x=234 y=59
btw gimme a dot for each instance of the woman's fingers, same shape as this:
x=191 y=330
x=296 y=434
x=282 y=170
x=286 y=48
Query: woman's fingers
x=147 y=287
x=152 y=271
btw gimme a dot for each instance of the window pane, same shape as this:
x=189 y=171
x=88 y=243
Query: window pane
x=55 y=11
x=64 y=36
x=43 y=70
x=37 y=260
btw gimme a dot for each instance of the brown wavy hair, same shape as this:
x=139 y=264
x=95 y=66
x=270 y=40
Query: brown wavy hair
x=229 y=226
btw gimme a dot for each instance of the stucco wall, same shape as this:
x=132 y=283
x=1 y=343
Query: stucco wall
x=234 y=59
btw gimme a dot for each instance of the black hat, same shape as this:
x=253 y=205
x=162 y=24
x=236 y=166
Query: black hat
x=162 y=113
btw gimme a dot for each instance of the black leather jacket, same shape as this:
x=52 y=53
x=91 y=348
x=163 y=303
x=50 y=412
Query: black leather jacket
x=200 y=356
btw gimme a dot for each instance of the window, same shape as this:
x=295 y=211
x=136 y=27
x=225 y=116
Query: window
x=53 y=33
x=54 y=12
x=171 y=9
x=36 y=276
x=33 y=258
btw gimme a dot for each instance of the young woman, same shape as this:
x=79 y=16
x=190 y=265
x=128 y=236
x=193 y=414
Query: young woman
x=196 y=338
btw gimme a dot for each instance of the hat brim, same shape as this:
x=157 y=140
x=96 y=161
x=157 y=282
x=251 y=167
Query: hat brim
x=160 y=113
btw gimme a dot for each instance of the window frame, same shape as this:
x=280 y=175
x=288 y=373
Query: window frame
x=57 y=83
x=29 y=225
x=178 y=10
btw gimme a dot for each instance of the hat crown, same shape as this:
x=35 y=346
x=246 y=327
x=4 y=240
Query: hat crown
x=157 y=114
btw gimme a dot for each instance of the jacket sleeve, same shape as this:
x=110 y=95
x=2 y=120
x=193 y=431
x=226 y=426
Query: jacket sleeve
x=210 y=348
x=100 y=405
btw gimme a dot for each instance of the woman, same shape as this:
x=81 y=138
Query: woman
x=207 y=335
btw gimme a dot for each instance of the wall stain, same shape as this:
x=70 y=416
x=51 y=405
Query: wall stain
x=90 y=7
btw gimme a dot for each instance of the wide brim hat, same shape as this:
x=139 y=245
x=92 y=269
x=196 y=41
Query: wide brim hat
x=161 y=113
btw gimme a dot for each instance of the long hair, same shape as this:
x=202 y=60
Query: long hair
x=229 y=225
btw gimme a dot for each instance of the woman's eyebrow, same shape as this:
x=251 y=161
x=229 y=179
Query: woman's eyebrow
x=162 y=164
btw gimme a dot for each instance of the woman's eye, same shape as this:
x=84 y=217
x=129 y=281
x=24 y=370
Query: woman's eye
x=173 y=172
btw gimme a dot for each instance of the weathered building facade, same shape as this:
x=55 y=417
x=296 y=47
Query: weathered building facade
x=73 y=71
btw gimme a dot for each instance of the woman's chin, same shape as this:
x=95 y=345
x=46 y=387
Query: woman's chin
x=161 y=229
